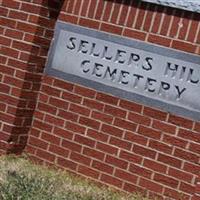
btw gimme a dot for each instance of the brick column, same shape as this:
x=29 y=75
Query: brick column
x=27 y=29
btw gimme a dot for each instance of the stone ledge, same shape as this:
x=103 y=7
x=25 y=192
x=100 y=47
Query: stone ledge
x=191 y=5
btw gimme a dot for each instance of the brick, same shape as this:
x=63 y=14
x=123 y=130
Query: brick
x=63 y=85
x=38 y=143
x=116 y=162
x=50 y=138
x=175 y=23
x=14 y=34
x=102 y=167
x=4 y=88
x=80 y=158
x=67 y=163
x=86 y=92
x=30 y=28
x=175 y=141
x=169 y=160
x=102 y=117
x=115 y=111
x=107 y=98
x=93 y=104
x=179 y=121
x=123 y=13
x=125 y=124
x=155 y=166
x=140 y=16
x=139 y=35
x=107 y=148
x=134 y=188
x=197 y=127
x=156 y=114
x=115 y=12
x=17 y=63
x=11 y=4
x=189 y=135
x=68 y=18
x=168 y=128
x=84 y=141
x=50 y=91
x=63 y=133
x=126 y=176
x=85 y=7
x=89 y=122
x=185 y=25
x=159 y=40
x=148 y=18
x=71 y=145
x=9 y=52
x=180 y=175
x=188 y=188
x=59 y=150
x=79 y=109
x=5 y=41
x=59 y=103
x=99 y=11
x=111 y=180
x=75 y=127
x=46 y=108
x=91 y=11
x=185 y=155
x=92 y=153
x=13 y=81
x=107 y=9
x=18 y=15
x=171 y=182
x=144 y=151
x=30 y=8
x=45 y=155
x=42 y=125
x=183 y=46
x=150 y=185
x=111 y=28
x=130 y=157
x=97 y=135
x=175 y=194
x=111 y=130
x=7 y=70
x=10 y=23
x=166 y=21
x=71 y=97
x=88 y=172
x=66 y=115
x=4 y=12
x=89 y=23
x=135 y=138
x=160 y=146
x=120 y=143
x=193 y=29
x=139 y=119
x=195 y=148
x=140 y=171
x=149 y=132
x=54 y=120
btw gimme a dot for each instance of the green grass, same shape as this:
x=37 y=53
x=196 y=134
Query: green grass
x=22 y=180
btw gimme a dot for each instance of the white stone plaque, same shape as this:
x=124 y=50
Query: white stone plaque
x=191 y=5
x=145 y=73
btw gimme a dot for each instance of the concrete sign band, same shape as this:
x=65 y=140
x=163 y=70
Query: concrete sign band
x=190 y=5
x=155 y=76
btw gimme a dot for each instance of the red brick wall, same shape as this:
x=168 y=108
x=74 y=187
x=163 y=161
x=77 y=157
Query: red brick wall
x=111 y=140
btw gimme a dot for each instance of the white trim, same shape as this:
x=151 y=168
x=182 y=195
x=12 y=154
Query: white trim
x=191 y=5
